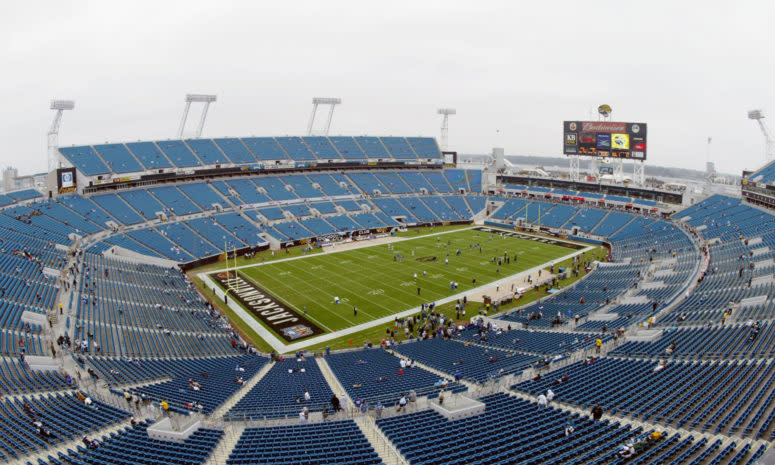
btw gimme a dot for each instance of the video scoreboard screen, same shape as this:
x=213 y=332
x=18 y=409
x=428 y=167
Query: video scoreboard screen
x=605 y=139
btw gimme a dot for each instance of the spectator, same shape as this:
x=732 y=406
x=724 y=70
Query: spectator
x=597 y=412
x=542 y=401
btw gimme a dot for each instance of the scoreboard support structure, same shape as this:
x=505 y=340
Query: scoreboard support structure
x=639 y=172
x=575 y=161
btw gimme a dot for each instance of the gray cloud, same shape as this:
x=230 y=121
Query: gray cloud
x=689 y=69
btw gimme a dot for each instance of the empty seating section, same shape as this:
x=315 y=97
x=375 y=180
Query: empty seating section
x=766 y=174
x=178 y=153
x=706 y=394
x=538 y=342
x=247 y=191
x=143 y=202
x=292 y=230
x=318 y=226
x=149 y=155
x=586 y=219
x=85 y=159
x=274 y=188
x=202 y=195
x=330 y=185
x=24 y=194
x=324 y=208
x=399 y=148
x=343 y=223
x=270 y=213
x=16 y=378
x=87 y=209
x=393 y=182
x=730 y=341
x=456 y=179
x=374 y=376
x=441 y=209
x=265 y=148
x=535 y=210
x=418 y=209
x=217 y=384
x=193 y=243
x=67 y=217
x=510 y=209
x=322 y=148
x=296 y=148
x=281 y=392
x=474 y=180
x=424 y=147
x=240 y=227
x=65 y=416
x=113 y=204
x=298 y=209
x=349 y=205
x=509 y=431
x=348 y=148
x=558 y=216
x=459 y=205
x=471 y=362
x=118 y=158
x=174 y=200
x=126 y=242
x=330 y=442
x=302 y=186
x=235 y=150
x=152 y=239
x=140 y=156
x=612 y=223
x=476 y=203
x=438 y=181
x=368 y=183
x=393 y=208
x=134 y=446
x=372 y=147
x=207 y=151
x=368 y=221
x=416 y=181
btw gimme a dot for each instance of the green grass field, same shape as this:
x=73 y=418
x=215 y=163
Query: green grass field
x=371 y=280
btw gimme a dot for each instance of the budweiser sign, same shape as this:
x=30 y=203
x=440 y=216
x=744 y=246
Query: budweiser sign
x=603 y=126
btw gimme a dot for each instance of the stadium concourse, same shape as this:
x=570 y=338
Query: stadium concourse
x=111 y=356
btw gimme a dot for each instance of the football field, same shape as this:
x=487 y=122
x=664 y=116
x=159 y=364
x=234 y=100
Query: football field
x=380 y=280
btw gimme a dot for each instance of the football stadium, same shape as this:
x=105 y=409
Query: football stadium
x=343 y=296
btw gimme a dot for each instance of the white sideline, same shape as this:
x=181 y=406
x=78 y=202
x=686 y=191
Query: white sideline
x=279 y=346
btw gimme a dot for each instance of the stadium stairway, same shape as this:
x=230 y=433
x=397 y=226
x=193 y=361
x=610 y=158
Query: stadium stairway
x=231 y=434
x=602 y=220
x=333 y=381
x=237 y=396
x=383 y=446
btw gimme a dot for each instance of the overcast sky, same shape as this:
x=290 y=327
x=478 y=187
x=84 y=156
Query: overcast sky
x=689 y=69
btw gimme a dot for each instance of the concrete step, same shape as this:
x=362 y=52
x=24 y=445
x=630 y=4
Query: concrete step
x=237 y=396
x=382 y=445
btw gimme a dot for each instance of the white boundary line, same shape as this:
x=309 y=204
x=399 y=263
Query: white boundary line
x=279 y=346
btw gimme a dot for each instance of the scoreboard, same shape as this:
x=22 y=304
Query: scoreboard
x=605 y=139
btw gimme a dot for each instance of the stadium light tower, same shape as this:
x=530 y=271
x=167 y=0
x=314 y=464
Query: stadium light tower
x=53 y=133
x=769 y=152
x=207 y=99
x=445 y=125
x=323 y=101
